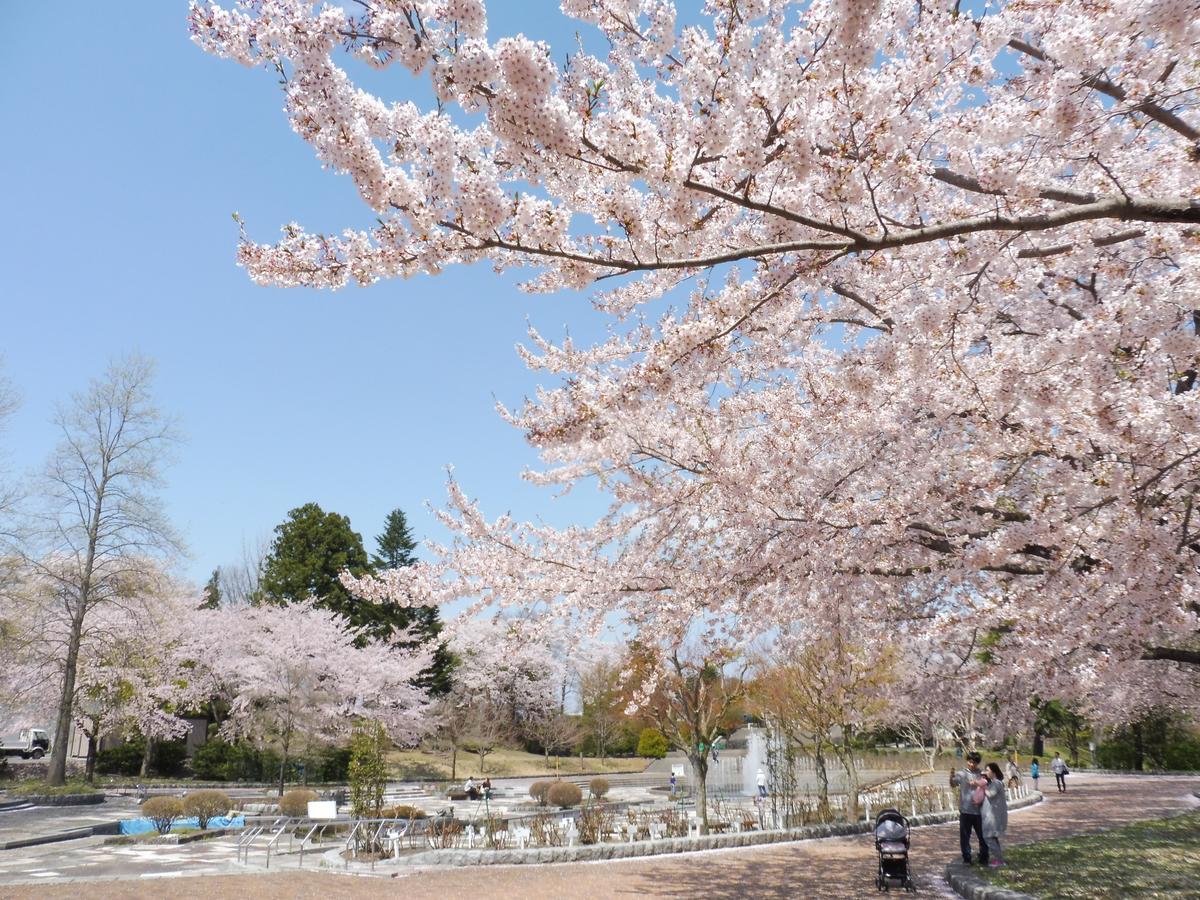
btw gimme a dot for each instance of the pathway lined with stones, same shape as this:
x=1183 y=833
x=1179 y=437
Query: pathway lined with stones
x=833 y=868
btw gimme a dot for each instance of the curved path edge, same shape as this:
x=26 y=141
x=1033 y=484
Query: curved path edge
x=635 y=849
x=967 y=883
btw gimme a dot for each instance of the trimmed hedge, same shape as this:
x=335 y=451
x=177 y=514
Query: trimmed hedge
x=538 y=790
x=204 y=805
x=564 y=794
x=162 y=812
x=652 y=744
x=598 y=787
x=295 y=803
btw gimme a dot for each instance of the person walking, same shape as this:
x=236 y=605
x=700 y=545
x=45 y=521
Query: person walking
x=994 y=813
x=1035 y=772
x=1058 y=766
x=970 y=803
x=674 y=783
x=762 y=783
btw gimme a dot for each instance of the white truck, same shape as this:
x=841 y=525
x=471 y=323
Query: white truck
x=31 y=743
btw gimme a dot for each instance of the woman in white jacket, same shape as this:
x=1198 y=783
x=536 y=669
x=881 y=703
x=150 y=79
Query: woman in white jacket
x=995 y=812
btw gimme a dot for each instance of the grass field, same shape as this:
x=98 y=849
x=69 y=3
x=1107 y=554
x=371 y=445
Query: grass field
x=1159 y=858
x=422 y=764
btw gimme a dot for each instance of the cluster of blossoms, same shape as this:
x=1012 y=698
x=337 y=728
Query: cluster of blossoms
x=937 y=346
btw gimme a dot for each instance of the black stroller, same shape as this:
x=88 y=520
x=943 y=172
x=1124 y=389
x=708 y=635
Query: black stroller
x=891 y=843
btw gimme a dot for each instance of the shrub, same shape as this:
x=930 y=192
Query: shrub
x=295 y=803
x=368 y=769
x=403 y=811
x=162 y=812
x=123 y=759
x=538 y=790
x=598 y=787
x=564 y=794
x=652 y=744
x=204 y=805
x=168 y=757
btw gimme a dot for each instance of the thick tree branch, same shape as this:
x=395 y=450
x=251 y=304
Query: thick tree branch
x=1173 y=654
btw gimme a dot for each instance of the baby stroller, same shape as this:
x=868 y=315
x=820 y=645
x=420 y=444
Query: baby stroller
x=891 y=843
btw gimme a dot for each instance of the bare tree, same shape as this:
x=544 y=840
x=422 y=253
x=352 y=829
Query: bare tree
x=602 y=700
x=698 y=692
x=238 y=581
x=102 y=523
x=822 y=686
x=554 y=731
x=469 y=723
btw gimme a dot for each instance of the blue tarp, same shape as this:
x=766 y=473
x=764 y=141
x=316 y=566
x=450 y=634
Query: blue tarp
x=141 y=826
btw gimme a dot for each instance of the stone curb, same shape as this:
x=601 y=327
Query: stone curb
x=635 y=849
x=73 y=834
x=62 y=799
x=967 y=883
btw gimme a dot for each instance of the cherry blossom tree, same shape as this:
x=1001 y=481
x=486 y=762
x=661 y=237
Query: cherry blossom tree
x=295 y=673
x=136 y=667
x=934 y=340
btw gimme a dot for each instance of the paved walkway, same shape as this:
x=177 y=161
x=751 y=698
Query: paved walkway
x=17 y=824
x=840 y=868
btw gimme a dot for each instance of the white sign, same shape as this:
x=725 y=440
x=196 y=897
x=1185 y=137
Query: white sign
x=678 y=771
x=322 y=809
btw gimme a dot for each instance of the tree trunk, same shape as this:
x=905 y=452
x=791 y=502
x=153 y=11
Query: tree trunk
x=454 y=763
x=1039 y=747
x=57 y=774
x=846 y=756
x=149 y=751
x=700 y=770
x=822 y=777
x=89 y=772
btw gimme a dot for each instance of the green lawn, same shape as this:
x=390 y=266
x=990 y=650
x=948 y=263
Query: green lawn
x=41 y=789
x=1158 y=858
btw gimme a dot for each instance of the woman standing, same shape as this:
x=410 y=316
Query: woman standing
x=1034 y=772
x=995 y=812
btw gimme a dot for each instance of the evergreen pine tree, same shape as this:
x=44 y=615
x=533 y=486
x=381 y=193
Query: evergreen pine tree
x=212 y=591
x=395 y=548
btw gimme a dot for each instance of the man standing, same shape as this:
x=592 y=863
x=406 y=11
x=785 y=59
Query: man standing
x=970 y=817
x=1058 y=766
x=761 y=778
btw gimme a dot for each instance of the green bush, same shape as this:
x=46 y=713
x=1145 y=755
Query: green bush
x=123 y=759
x=168 y=757
x=538 y=791
x=331 y=764
x=295 y=803
x=162 y=812
x=652 y=744
x=598 y=787
x=564 y=794
x=204 y=805
x=1156 y=742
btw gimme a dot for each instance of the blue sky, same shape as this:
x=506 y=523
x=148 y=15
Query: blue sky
x=125 y=151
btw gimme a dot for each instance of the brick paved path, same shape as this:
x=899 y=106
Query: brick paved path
x=837 y=868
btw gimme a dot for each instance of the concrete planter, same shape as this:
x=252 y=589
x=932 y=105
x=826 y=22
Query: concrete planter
x=633 y=849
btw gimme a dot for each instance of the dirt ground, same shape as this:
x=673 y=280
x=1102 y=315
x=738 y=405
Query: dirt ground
x=836 y=868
